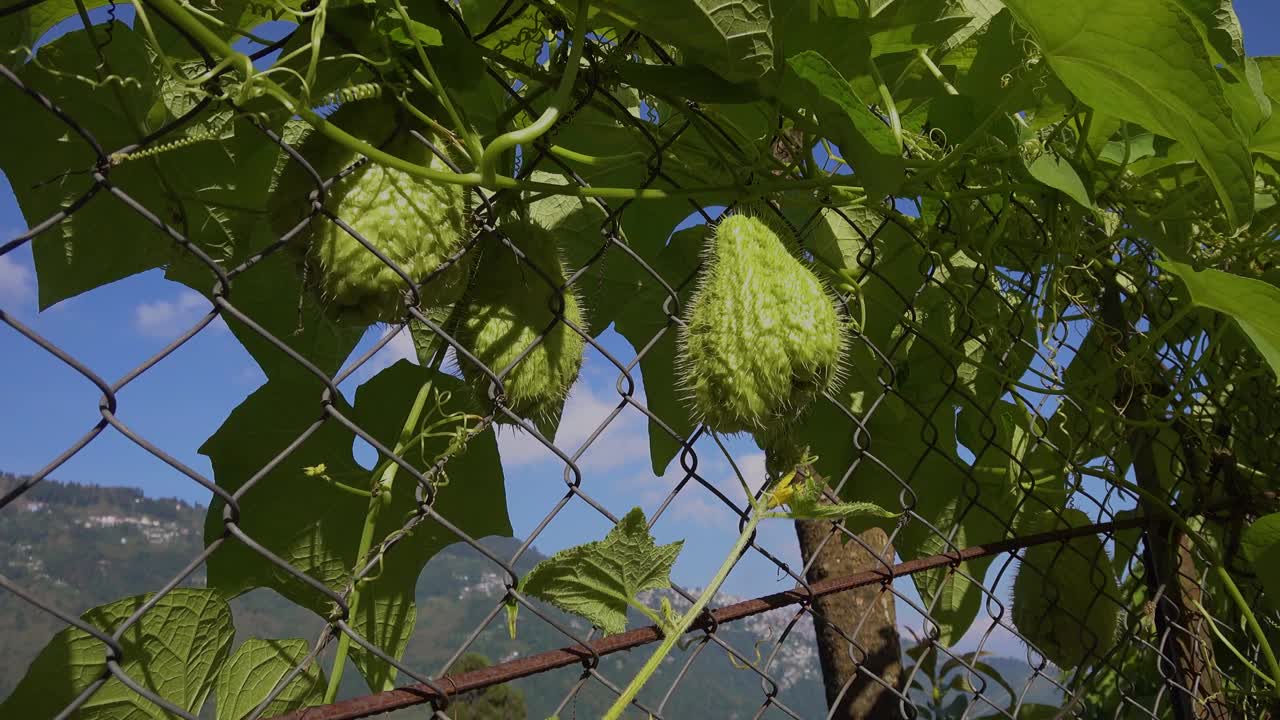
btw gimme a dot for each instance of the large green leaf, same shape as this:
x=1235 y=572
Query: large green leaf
x=104 y=240
x=255 y=669
x=315 y=526
x=1145 y=61
x=862 y=136
x=643 y=320
x=174 y=651
x=732 y=37
x=1253 y=304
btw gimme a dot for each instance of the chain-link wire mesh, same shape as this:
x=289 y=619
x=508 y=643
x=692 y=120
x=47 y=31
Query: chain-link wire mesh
x=961 y=368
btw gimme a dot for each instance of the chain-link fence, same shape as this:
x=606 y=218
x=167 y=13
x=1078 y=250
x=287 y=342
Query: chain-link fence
x=1022 y=380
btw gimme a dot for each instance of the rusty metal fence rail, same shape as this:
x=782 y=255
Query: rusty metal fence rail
x=1165 y=664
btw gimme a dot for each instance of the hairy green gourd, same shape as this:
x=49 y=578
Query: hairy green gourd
x=508 y=308
x=1065 y=597
x=417 y=224
x=762 y=337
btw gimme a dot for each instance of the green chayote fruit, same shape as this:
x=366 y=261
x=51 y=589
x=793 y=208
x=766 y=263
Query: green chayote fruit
x=415 y=223
x=508 y=307
x=762 y=337
x=1065 y=597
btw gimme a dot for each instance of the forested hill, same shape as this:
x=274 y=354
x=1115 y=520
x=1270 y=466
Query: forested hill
x=79 y=546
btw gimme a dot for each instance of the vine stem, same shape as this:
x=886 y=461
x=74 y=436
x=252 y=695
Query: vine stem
x=526 y=135
x=673 y=634
x=377 y=499
x=1219 y=569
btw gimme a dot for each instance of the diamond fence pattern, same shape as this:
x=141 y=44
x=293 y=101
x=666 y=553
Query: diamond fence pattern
x=1165 y=663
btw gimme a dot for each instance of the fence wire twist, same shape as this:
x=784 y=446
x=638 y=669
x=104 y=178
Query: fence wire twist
x=896 y=259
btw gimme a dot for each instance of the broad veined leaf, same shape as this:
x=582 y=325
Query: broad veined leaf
x=105 y=240
x=1253 y=304
x=174 y=651
x=861 y=135
x=254 y=670
x=644 y=320
x=315 y=525
x=1145 y=62
x=600 y=580
x=732 y=37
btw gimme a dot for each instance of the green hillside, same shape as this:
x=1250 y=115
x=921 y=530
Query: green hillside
x=78 y=546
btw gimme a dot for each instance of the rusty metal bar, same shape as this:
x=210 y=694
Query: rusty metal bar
x=410 y=695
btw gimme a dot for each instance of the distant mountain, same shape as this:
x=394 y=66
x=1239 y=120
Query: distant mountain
x=79 y=546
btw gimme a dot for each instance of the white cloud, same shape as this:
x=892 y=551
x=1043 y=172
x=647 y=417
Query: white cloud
x=624 y=441
x=167 y=319
x=17 y=284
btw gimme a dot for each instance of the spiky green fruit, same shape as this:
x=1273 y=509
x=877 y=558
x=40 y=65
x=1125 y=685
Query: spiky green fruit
x=417 y=224
x=1065 y=597
x=762 y=337
x=508 y=309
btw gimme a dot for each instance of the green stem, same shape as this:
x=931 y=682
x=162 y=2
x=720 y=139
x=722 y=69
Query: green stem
x=376 y=502
x=464 y=129
x=1215 y=561
x=673 y=635
x=936 y=72
x=1252 y=621
x=526 y=135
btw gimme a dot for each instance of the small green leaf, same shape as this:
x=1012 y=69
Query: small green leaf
x=174 y=651
x=600 y=580
x=809 y=503
x=394 y=27
x=253 y=672
x=1058 y=173
x=1260 y=545
x=1253 y=304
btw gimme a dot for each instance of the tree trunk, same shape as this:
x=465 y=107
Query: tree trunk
x=871 y=666
x=866 y=615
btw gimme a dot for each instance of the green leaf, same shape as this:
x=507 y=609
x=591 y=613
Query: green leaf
x=393 y=25
x=906 y=25
x=253 y=672
x=315 y=525
x=1260 y=536
x=105 y=240
x=1266 y=140
x=861 y=135
x=691 y=82
x=1261 y=546
x=1253 y=304
x=600 y=580
x=643 y=320
x=174 y=651
x=1058 y=173
x=732 y=37
x=1144 y=62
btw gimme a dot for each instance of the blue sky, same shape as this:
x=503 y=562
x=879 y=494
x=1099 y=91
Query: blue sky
x=184 y=399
